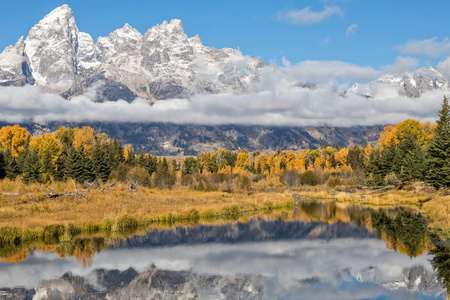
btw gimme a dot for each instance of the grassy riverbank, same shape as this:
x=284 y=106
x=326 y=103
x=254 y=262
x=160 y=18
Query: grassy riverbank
x=116 y=208
x=30 y=206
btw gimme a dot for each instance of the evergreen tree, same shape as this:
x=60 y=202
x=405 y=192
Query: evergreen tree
x=100 y=162
x=141 y=159
x=355 y=158
x=374 y=169
x=32 y=168
x=150 y=164
x=73 y=166
x=116 y=156
x=23 y=156
x=163 y=178
x=189 y=165
x=386 y=160
x=2 y=165
x=131 y=158
x=333 y=163
x=88 y=171
x=12 y=170
x=47 y=163
x=408 y=161
x=438 y=173
x=59 y=171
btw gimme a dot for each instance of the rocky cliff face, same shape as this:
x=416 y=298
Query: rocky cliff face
x=174 y=139
x=161 y=64
x=169 y=284
x=15 y=66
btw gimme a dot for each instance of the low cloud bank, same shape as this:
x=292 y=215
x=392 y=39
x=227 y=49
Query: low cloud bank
x=279 y=106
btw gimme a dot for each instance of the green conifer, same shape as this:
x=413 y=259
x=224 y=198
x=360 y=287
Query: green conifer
x=438 y=163
x=116 y=156
x=100 y=162
x=32 y=168
x=59 y=171
x=73 y=166
x=374 y=172
x=408 y=161
x=12 y=169
x=2 y=165
x=87 y=173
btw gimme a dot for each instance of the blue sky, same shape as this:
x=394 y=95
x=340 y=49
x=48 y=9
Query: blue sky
x=361 y=32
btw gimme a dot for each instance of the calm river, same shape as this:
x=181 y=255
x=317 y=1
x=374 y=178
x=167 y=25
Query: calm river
x=321 y=250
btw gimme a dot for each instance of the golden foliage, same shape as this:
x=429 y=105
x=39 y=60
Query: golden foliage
x=13 y=138
x=84 y=137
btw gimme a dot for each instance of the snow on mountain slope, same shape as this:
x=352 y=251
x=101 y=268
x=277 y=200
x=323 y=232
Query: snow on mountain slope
x=51 y=47
x=14 y=67
x=409 y=84
x=161 y=64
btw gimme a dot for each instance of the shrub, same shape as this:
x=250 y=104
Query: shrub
x=291 y=178
x=391 y=179
x=139 y=175
x=120 y=173
x=244 y=182
x=126 y=224
x=309 y=178
x=333 y=181
x=53 y=233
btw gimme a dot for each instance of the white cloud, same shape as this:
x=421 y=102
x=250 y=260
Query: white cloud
x=307 y=17
x=351 y=29
x=282 y=103
x=330 y=71
x=431 y=47
x=346 y=268
x=402 y=64
x=285 y=62
x=444 y=67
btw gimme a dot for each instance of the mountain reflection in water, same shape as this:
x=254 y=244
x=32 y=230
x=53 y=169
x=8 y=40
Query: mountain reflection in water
x=321 y=250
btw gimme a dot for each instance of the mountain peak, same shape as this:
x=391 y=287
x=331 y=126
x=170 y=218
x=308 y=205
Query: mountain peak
x=127 y=31
x=61 y=12
x=174 y=26
x=20 y=42
x=176 y=23
x=162 y=64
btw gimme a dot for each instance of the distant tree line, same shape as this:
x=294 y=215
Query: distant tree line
x=407 y=152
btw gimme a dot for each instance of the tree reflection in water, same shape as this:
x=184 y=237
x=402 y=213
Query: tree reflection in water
x=441 y=261
x=402 y=229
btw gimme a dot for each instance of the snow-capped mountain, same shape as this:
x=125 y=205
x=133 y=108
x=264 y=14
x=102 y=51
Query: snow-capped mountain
x=161 y=64
x=409 y=84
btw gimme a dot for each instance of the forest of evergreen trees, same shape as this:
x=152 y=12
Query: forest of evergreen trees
x=407 y=152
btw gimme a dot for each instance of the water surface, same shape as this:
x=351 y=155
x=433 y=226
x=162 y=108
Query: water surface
x=321 y=250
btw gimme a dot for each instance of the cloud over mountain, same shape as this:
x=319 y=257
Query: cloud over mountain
x=294 y=106
x=164 y=76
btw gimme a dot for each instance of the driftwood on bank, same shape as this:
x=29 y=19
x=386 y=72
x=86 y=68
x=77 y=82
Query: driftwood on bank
x=75 y=193
x=90 y=184
x=381 y=189
x=133 y=186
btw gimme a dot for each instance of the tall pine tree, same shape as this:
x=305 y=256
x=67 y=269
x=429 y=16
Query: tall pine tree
x=58 y=173
x=100 y=162
x=73 y=165
x=409 y=160
x=2 y=165
x=32 y=168
x=116 y=155
x=88 y=169
x=438 y=174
